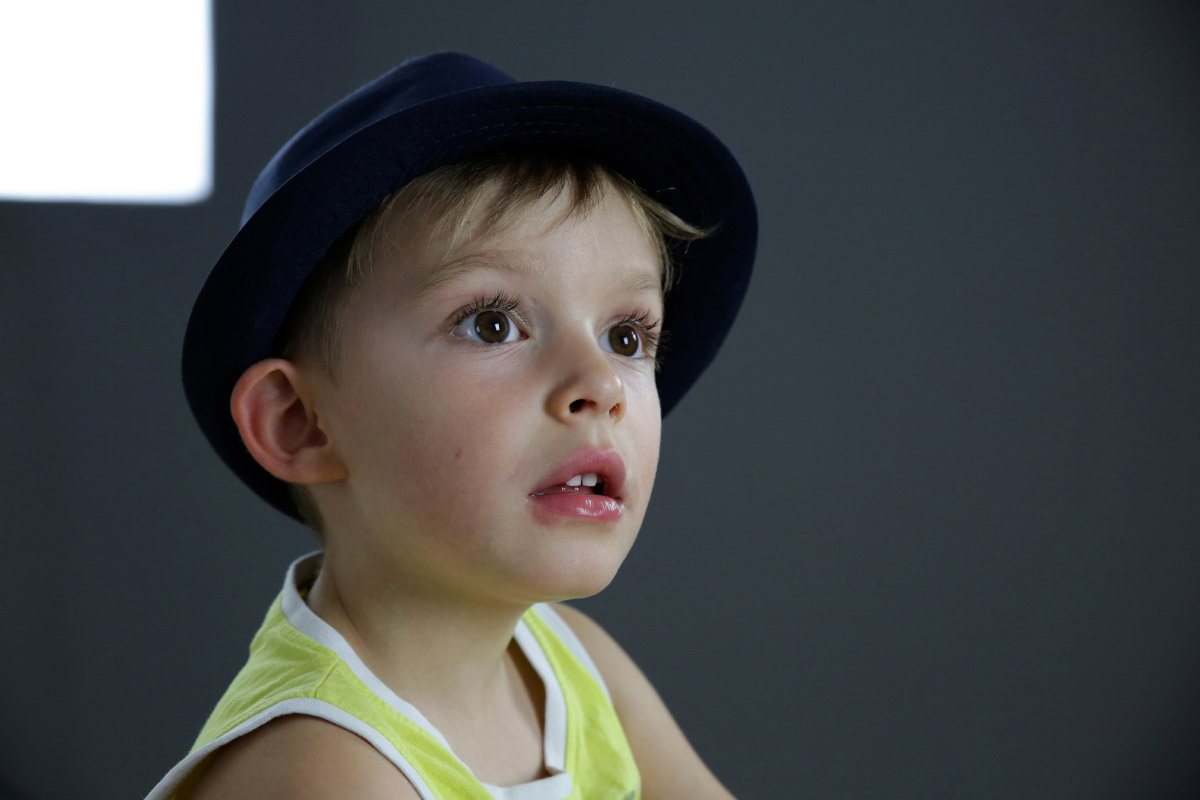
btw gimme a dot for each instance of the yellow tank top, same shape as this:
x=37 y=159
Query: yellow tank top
x=300 y=665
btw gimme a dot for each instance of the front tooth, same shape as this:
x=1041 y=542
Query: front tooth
x=577 y=480
x=589 y=479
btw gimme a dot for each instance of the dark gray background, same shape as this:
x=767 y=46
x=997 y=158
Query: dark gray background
x=928 y=528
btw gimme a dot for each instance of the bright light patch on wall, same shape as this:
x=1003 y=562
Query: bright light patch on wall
x=106 y=100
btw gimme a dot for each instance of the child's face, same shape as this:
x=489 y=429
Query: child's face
x=478 y=378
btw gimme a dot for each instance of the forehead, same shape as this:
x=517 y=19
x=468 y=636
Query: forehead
x=436 y=247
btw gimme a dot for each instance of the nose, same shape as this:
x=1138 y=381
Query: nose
x=587 y=386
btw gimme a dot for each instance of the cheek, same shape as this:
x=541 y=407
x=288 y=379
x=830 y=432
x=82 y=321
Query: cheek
x=444 y=473
x=463 y=448
x=643 y=411
x=643 y=420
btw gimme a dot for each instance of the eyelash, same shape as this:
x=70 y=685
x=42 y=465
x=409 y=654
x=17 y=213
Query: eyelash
x=648 y=326
x=650 y=329
x=497 y=302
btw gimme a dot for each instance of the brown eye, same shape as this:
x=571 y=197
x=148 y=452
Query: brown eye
x=624 y=340
x=489 y=326
x=492 y=327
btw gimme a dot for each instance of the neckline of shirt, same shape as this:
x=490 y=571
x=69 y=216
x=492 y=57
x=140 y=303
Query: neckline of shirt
x=555 y=787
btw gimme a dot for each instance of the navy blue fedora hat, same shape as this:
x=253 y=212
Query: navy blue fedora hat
x=431 y=111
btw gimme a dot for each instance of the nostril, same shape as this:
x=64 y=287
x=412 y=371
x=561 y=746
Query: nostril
x=576 y=406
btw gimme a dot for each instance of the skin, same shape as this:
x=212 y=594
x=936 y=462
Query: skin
x=422 y=452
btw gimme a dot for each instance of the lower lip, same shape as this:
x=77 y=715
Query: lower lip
x=587 y=507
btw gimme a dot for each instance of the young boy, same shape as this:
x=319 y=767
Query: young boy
x=444 y=337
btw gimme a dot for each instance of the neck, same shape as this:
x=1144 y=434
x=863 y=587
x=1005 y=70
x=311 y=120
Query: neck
x=446 y=653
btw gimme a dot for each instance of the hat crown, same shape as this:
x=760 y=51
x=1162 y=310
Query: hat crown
x=413 y=82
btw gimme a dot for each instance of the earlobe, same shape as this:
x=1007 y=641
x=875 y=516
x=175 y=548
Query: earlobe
x=278 y=426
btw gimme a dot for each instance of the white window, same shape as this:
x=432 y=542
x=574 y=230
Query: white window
x=106 y=100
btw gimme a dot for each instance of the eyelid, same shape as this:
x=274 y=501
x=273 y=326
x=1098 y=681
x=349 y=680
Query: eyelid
x=649 y=328
x=500 y=301
x=645 y=321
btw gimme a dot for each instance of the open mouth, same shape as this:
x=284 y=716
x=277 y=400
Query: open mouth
x=584 y=483
x=587 y=485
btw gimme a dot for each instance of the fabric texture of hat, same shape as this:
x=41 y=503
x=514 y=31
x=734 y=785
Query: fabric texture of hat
x=427 y=112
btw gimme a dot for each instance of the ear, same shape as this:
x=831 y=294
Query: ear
x=280 y=428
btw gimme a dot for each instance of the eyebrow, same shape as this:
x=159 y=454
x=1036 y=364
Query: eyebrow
x=633 y=281
x=448 y=272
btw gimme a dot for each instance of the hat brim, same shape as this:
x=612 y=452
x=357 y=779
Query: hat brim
x=672 y=157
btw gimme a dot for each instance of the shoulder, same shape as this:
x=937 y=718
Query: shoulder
x=593 y=637
x=298 y=757
x=625 y=681
x=669 y=765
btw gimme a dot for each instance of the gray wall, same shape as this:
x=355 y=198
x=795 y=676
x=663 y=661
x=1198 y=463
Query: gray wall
x=928 y=528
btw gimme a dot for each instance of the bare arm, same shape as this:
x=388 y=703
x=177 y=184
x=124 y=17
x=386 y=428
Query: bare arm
x=298 y=758
x=670 y=767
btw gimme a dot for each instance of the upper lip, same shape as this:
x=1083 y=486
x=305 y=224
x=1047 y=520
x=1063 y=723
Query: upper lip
x=606 y=464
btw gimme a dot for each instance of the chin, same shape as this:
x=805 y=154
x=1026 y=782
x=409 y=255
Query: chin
x=575 y=578
x=588 y=588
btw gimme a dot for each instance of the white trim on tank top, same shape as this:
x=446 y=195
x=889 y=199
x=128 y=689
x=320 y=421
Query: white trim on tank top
x=554 y=740
x=557 y=786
